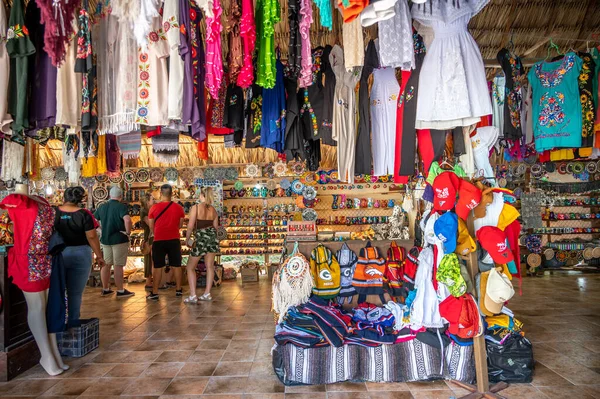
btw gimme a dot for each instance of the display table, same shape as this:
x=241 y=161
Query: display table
x=402 y=362
x=18 y=350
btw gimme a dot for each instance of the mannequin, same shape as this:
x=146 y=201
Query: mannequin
x=36 y=300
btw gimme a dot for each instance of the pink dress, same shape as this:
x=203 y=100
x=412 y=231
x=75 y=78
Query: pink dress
x=214 y=58
x=306 y=19
x=248 y=34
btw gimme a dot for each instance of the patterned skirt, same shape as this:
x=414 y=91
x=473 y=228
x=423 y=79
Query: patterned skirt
x=205 y=242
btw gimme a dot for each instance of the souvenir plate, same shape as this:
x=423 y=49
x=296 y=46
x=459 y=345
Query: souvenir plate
x=297 y=168
x=562 y=168
x=597 y=166
x=570 y=166
x=129 y=176
x=334 y=176
x=591 y=167
x=87 y=182
x=309 y=193
x=171 y=174
x=549 y=253
x=502 y=182
x=252 y=170
x=309 y=215
x=578 y=167
x=100 y=193
x=142 y=175
x=534 y=260
x=101 y=178
x=550 y=167
x=269 y=170
x=220 y=173
x=61 y=174
x=47 y=173
x=271 y=185
x=285 y=184
x=280 y=168
x=187 y=175
x=561 y=256
x=588 y=253
x=231 y=174
x=517 y=192
x=197 y=172
x=297 y=187
x=221 y=233
x=156 y=175
x=238 y=185
x=209 y=174
x=520 y=170
x=536 y=170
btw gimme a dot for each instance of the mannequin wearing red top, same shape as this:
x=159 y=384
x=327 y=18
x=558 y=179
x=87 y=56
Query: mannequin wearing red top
x=29 y=265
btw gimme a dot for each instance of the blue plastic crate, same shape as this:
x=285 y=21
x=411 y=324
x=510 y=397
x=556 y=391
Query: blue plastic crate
x=79 y=341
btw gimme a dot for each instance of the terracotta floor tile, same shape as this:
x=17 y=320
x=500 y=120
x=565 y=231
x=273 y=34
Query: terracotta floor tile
x=347 y=387
x=187 y=386
x=174 y=356
x=221 y=385
x=147 y=386
x=389 y=386
x=543 y=376
x=225 y=369
x=34 y=388
x=239 y=355
x=426 y=385
x=108 y=386
x=305 y=389
x=264 y=384
x=314 y=395
x=197 y=369
x=69 y=387
x=141 y=357
x=559 y=392
x=206 y=355
x=162 y=370
x=91 y=370
x=213 y=344
x=348 y=395
x=131 y=370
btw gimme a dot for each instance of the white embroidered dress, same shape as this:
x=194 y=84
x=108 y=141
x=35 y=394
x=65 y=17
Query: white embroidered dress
x=453 y=89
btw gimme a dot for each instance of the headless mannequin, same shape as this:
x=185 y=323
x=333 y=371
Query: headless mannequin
x=50 y=360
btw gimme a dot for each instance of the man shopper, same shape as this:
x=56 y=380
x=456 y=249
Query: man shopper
x=166 y=219
x=116 y=227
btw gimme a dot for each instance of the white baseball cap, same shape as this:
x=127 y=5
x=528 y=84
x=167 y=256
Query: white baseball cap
x=498 y=290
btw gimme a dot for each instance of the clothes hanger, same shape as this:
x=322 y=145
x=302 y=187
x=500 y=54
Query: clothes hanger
x=551 y=46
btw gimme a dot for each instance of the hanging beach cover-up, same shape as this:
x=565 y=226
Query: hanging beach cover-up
x=306 y=20
x=235 y=58
x=143 y=20
x=267 y=17
x=248 y=35
x=176 y=65
x=57 y=16
x=214 y=59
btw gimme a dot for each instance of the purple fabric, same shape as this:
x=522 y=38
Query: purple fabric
x=112 y=153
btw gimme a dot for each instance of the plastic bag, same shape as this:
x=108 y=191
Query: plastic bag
x=512 y=361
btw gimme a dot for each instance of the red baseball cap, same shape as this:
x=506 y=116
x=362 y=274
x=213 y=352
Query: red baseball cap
x=445 y=186
x=493 y=240
x=469 y=196
x=462 y=315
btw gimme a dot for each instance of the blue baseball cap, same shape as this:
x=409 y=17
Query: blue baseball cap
x=446 y=230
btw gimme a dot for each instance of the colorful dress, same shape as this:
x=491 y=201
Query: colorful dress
x=153 y=78
x=265 y=21
x=214 y=59
x=586 y=94
x=29 y=263
x=176 y=66
x=254 y=116
x=513 y=99
x=498 y=96
x=364 y=157
x=384 y=102
x=272 y=133
x=556 y=103
x=248 y=35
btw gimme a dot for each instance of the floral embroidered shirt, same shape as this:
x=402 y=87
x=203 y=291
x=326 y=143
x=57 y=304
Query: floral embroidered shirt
x=556 y=103
x=153 y=78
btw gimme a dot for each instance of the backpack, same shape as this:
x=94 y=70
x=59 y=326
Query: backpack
x=325 y=271
x=394 y=269
x=369 y=273
x=347 y=260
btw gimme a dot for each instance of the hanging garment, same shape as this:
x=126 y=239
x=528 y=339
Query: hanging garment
x=55 y=16
x=266 y=19
x=306 y=61
x=410 y=101
x=405 y=76
x=384 y=103
x=5 y=118
x=326 y=19
x=248 y=34
x=352 y=36
x=328 y=91
x=69 y=85
x=396 y=47
x=192 y=52
x=153 y=78
x=216 y=113
x=378 y=11
x=235 y=58
x=130 y=144
x=254 y=117
x=143 y=23
x=19 y=48
x=273 y=114
x=42 y=100
x=176 y=65
x=363 y=140
x=513 y=71
x=29 y=263
x=296 y=42
x=556 y=103
x=165 y=146
x=452 y=86
x=425 y=309
x=294 y=139
x=498 y=96
x=234 y=109
x=13 y=158
x=344 y=113
x=117 y=73
x=86 y=65
x=588 y=107
x=312 y=98
x=214 y=58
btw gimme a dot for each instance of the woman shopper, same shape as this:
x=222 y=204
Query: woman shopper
x=77 y=227
x=147 y=201
x=202 y=222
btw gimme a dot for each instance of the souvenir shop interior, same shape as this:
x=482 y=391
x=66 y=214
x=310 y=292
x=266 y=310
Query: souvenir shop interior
x=395 y=171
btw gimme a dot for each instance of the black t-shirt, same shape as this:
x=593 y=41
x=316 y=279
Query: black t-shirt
x=234 y=108
x=73 y=225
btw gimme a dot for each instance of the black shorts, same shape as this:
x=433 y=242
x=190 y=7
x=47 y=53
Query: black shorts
x=162 y=249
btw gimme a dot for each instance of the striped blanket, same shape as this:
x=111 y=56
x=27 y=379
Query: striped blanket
x=402 y=362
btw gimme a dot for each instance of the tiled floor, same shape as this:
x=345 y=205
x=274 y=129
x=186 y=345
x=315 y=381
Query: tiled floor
x=221 y=350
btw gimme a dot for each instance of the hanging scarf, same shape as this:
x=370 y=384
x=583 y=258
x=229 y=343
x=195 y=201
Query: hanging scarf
x=57 y=16
x=165 y=146
x=130 y=144
x=306 y=74
x=112 y=154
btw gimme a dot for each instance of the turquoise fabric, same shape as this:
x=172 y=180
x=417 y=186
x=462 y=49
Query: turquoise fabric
x=556 y=103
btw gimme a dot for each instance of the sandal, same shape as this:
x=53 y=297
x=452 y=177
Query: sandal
x=205 y=297
x=191 y=299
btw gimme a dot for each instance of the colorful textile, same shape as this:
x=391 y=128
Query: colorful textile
x=56 y=15
x=306 y=20
x=165 y=146
x=205 y=242
x=268 y=16
x=214 y=59
x=248 y=34
x=130 y=144
x=273 y=114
